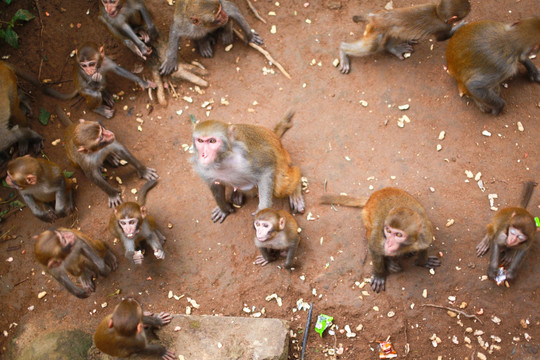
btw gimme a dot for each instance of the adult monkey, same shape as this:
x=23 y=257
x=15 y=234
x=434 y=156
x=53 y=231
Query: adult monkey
x=243 y=156
x=89 y=76
x=126 y=19
x=200 y=20
x=396 y=224
x=122 y=333
x=511 y=232
x=68 y=251
x=40 y=183
x=485 y=53
x=131 y=223
x=396 y=30
x=89 y=145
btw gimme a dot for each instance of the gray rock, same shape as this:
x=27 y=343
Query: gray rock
x=58 y=345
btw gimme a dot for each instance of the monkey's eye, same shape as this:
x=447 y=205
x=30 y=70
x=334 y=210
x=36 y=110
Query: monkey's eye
x=265 y=225
x=398 y=234
x=131 y=222
x=212 y=141
x=92 y=64
x=522 y=237
x=199 y=140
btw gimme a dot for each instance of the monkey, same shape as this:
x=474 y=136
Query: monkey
x=396 y=225
x=89 y=145
x=131 y=223
x=68 y=251
x=397 y=30
x=40 y=183
x=200 y=20
x=14 y=130
x=275 y=230
x=511 y=232
x=125 y=19
x=243 y=156
x=89 y=75
x=122 y=333
x=483 y=54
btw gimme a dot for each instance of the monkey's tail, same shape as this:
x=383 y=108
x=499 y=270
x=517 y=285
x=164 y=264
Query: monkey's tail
x=57 y=94
x=46 y=90
x=359 y=18
x=144 y=190
x=64 y=119
x=527 y=193
x=285 y=124
x=345 y=200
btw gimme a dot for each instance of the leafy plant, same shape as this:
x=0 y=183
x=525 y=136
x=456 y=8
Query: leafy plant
x=8 y=34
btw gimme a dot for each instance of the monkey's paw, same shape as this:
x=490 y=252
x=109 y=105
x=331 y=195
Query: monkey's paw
x=256 y=39
x=297 y=204
x=378 y=283
x=159 y=254
x=220 y=215
x=114 y=201
x=482 y=247
x=164 y=317
x=169 y=355
x=138 y=257
x=168 y=67
x=433 y=262
x=150 y=174
x=260 y=260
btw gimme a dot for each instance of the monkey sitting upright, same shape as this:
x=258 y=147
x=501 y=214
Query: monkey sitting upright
x=396 y=224
x=512 y=233
x=41 y=182
x=396 y=30
x=134 y=227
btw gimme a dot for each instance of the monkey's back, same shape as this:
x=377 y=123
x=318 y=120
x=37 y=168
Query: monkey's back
x=8 y=96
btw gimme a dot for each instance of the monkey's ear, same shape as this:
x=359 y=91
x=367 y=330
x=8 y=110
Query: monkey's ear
x=143 y=211
x=31 y=179
x=110 y=325
x=81 y=149
x=195 y=20
x=231 y=131
x=102 y=51
x=54 y=263
x=140 y=327
x=281 y=223
x=452 y=20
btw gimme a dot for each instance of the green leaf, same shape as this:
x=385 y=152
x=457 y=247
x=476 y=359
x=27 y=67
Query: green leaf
x=17 y=204
x=11 y=37
x=193 y=118
x=8 y=1
x=2 y=34
x=68 y=174
x=23 y=15
x=4 y=183
x=44 y=116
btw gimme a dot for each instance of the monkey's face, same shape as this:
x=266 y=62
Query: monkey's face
x=90 y=67
x=395 y=238
x=264 y=229
x=10 y=180
x=112 y=7
x=208 y=148
x=515 y=237
x=130 y=226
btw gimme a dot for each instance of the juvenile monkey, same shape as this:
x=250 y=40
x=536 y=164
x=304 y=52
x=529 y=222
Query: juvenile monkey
x=126 y=20
x=89 y=145
x=511 y=232
x=13 y=125
x=89 y=76
x=396 y=224
x=483 y=54
x=243 y=156
x=41 y=183
x=202 y=20
x=396 y=30
x=131 y=223
x=276 y=232
x=68 y=251
x=122 y=333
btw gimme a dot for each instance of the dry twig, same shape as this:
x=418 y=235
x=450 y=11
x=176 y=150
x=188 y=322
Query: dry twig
x=252 y=8
x=469 y=316
x=40 y=38
x=265 y=53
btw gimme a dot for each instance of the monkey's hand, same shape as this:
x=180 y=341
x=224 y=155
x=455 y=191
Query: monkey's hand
x=297 y=204
x=97 y=77
x=143 y=35
x=164 y=317
x=511 y=274
x=149 y=174
x=138 y=257
x=260 y=260
x=88 y=284
x=114 y=201
x=256 y=39
x=169 y=355
x=168 y=67
x=507 y=258
x=483 y=246
x=378 y=283
x=220 y=215
x=393 y=266
x=159 y=254
x=432 y=262
x=148 y=84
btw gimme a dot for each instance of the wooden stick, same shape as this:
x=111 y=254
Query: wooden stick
x=265 y=53
x=455 y=310
x=252 y=8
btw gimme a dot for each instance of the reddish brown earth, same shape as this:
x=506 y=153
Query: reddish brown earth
x=339 y=144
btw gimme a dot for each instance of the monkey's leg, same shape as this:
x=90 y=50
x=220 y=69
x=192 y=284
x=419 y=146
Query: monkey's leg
x=60 y=275
x=155 y=244
x=486 y=98
x=24 y=104
x=392 y=265
x=367 y=45
x=378 y=278
x=110 y=260
x=397 y=48
x=87 y=280
x=47 y=214
x=160 y=236
x=483 y=246
x=223 y=208
x=226 y=34
x=237 y=198
x=494 y=261
x=290 y=257
x=516 y=261
x=533 y=72
x=63 y=203
x=95 y=102
x=206 y=45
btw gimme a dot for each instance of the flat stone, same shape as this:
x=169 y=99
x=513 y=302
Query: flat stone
x=58 y=345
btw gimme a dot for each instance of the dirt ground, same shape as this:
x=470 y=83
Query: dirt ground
x=340 y=145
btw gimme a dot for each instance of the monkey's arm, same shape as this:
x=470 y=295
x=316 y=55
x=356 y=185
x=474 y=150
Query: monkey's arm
x=232 y=10
x=44 y=215
x=155 y=244
x=60 y=275
x=148 y=20
x=159 y=350
x=118 y=70
x=494 y=261
x=483 y=246
x=378 y=279
x=143 y=171
x=171 y=57
x=516 y=261
x=157 y=321
x=534 y=74
x=290 y=255
x=92 y=255
x=113 y=193
x=129 y=248
x=63 y=202
x=266 y=188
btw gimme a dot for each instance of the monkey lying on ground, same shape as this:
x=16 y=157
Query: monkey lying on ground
x=396 y=225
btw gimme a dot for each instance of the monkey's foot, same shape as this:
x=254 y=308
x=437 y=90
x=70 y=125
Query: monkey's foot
x=48 y=216
x=432 y=262
x=256 y=39
x=143 y=35
x=169 y=355
x=297 y=204
x=220 y=215
x=159 y=254
x=149 y=174
x=206 y=46
x=88 y=284
x=104 y=111
x=399 y=49
x=237 y=198
x=393 y=266
x=378 y=283
x=260 y=260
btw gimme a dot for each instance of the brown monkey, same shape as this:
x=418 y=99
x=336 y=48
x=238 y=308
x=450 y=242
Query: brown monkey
x=122 y=333
x=13 y=124
x=243 y=156
x=396 y=224
x=68 y=251
x=89 y=76
x=125 y=19
x=275 y=230
x=200 y=20
x=40 y=183
x=512 y=232
x=89 y=145
x=483 y=54
x=131 y=223
x=396 y=30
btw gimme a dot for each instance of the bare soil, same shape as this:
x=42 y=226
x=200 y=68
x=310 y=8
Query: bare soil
x=340 y=145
